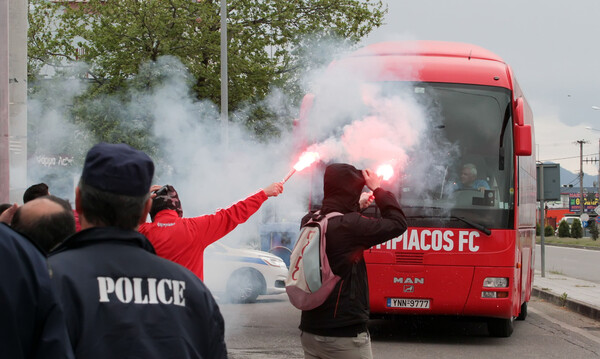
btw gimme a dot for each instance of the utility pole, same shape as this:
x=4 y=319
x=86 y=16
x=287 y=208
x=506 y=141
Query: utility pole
x=17 y=85
x=4 y=133
x=224 y=77
x=596 y=160
x=581 y=143
x=542 y=219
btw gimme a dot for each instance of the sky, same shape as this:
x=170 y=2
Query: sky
x=552 y=46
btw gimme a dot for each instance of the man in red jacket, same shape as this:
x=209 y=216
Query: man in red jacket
x=183 y=240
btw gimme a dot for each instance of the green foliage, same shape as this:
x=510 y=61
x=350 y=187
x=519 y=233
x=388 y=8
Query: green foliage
x=576 y=229
x=548 y=231
x=563 y=299
x=267 y=45
x=593 y=226
x=564 y=230
x=537 y=229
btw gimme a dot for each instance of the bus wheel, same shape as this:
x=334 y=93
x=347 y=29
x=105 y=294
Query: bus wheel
x=523 y=313
x=500 y=327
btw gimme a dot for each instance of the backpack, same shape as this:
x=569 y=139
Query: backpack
x=310 y=279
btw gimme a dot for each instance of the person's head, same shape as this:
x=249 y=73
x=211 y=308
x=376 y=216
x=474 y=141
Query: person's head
x=46 y=220
x=35 y=191
x=342 y=186
x=166 y=198
x=114 y=187
x=468 y=175
x=4 y=207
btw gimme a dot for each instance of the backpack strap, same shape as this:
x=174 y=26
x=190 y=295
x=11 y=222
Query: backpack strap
x=354 y=272
x=317 y=216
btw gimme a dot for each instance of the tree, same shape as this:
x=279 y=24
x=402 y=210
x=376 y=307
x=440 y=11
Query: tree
x=548 y=231
x=563 y=229
x=593 y=229
x=267 y=41
x=576 y=229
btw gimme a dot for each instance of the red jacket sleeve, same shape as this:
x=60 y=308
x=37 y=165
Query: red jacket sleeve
x=212 y=227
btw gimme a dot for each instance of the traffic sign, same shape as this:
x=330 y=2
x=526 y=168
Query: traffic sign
x=584 y=217
x=597 y=210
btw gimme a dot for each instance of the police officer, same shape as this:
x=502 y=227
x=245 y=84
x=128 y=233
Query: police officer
x=31 y=320
x=121 y=300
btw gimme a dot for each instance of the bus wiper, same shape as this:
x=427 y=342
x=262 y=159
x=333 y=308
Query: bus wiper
x=474 y=225
x=477 y=226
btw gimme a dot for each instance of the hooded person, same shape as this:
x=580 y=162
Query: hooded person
x=121 y=299
x=338 y=328
x=183 y=240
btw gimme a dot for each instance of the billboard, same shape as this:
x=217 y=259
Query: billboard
x=590 y=202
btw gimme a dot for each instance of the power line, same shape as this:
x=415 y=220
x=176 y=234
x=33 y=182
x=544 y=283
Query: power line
x=567 y=158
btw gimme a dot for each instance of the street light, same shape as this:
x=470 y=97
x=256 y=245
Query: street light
x=224 y=77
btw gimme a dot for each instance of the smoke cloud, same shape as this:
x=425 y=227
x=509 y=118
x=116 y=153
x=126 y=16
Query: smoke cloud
x=352 y=120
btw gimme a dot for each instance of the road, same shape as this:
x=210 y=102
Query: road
x=268 y=329
x=571 y=262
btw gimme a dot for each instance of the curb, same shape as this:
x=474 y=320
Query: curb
x=570 y=246
x=574 y=305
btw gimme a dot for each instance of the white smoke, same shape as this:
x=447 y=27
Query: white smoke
x=349 y=122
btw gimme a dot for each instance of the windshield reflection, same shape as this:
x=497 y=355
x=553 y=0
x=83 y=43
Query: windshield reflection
x=467 y=174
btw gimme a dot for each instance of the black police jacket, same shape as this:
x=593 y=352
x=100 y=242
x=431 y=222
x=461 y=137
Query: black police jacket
x=123 y=301
x=31 y=320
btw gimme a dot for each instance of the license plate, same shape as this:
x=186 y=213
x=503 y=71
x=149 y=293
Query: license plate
x=407 y=303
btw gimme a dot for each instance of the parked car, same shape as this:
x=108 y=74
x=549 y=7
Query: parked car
x=569 y=220
x=241 y=275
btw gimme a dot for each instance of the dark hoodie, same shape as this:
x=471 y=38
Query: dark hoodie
x=346 y=312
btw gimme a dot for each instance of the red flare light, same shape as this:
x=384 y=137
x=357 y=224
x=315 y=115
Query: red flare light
x=386 y=171
x=306 y=159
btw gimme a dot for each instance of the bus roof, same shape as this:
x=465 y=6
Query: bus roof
x=427 y=48
x=429 y=61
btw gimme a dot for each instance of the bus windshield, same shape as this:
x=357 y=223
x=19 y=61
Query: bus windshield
x=463 y=169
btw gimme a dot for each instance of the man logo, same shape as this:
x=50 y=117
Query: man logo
x=409 y=288
x=401 y=280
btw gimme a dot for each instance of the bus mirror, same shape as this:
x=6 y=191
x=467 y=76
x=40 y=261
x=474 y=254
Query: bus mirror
x=523 y=143
x=519 y=111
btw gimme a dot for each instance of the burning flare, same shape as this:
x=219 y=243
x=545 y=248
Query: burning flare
x=306 y=159
x=386 y=171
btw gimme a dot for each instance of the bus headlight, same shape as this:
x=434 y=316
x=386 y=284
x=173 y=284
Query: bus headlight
x=493 y=282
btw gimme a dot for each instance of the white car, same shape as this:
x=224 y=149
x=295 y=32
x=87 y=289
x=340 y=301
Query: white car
x=241 y=275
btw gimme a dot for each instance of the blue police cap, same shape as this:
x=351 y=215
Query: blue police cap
x=118 y=169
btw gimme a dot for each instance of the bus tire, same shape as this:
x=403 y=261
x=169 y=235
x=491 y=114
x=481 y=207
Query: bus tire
x=500 y=327
x=523 y=313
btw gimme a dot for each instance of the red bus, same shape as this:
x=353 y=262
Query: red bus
x=467 y=252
